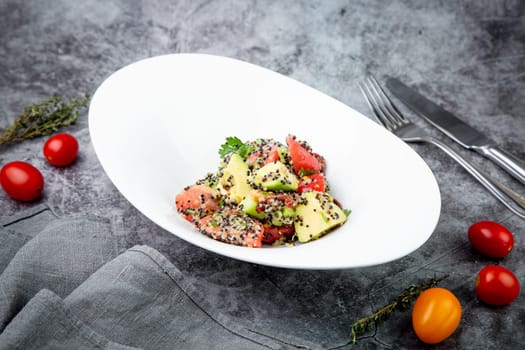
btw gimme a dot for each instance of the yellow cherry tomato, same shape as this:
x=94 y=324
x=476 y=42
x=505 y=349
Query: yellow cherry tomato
x=436 y=315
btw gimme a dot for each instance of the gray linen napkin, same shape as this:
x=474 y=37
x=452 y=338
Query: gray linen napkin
x=46 y=323
x=71 y=287
x=16 y=230
x=142 y=300
x=59 y=258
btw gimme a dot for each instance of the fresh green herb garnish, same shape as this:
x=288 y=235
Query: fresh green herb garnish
x=401 y=303
x=347 y=212
x=43 y=118
x=235 y=145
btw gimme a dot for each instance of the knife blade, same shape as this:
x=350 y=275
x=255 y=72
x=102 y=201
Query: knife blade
x=456 y=129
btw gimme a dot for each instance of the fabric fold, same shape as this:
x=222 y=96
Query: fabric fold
x=45 y=322
x=140 y=299
x=62 y=256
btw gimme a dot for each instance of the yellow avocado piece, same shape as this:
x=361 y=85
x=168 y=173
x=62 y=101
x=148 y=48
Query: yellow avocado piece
x=234 y=181
x=275 y=176
x=317 y=214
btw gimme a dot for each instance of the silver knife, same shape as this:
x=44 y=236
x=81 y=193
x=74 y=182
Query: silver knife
x=456 y=129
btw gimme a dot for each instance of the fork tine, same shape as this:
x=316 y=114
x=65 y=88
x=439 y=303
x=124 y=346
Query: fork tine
x=389 y=106
x=374 y=105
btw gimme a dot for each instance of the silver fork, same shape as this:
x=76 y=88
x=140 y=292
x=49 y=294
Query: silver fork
x=388 y=114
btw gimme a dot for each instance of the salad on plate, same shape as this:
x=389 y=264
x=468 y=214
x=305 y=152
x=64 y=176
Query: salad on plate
x=264 y=192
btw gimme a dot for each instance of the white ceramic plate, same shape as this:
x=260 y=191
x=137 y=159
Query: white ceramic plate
x=157 y=125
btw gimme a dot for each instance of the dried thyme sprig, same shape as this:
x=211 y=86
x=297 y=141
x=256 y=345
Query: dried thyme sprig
x=43 y=118
x=401 y=303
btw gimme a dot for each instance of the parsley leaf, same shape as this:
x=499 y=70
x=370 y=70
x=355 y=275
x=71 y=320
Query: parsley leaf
x=234 y=145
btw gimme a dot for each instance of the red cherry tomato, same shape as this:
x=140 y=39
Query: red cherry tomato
x=491 y=238
x=21 y=181
x=436 y=315
x=496 y=285
x=304 y=162
x=61 y=149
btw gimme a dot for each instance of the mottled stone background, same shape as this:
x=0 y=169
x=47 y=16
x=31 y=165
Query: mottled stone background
x=468 y=56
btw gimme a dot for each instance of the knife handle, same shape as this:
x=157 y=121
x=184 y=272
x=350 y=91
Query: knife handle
x=512 y=164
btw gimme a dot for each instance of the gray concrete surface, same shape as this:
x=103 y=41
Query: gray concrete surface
x=468 y=56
